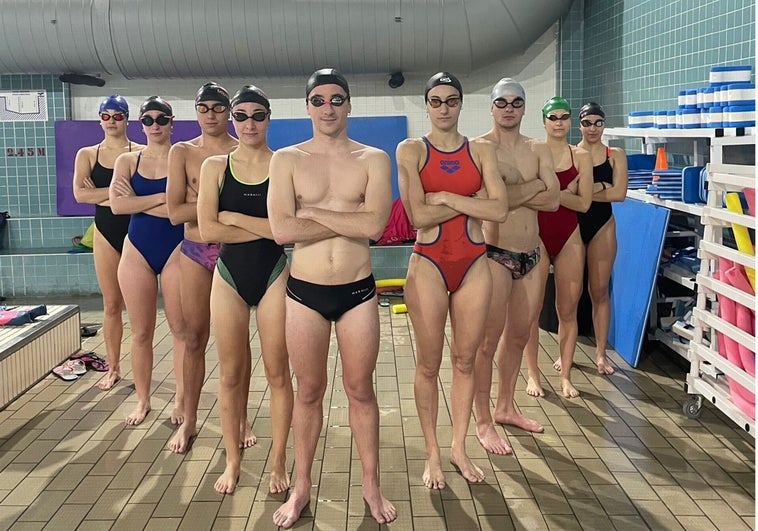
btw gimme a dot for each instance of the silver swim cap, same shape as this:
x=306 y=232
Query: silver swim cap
x=507 y=87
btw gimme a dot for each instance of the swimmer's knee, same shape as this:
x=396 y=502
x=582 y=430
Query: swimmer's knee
x=195 y=339
x=463 y=364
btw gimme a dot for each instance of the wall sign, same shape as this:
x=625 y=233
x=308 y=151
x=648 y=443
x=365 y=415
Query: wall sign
x=25 y=152
x=23 y=106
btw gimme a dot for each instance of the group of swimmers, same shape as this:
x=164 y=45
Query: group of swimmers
x=210 y=216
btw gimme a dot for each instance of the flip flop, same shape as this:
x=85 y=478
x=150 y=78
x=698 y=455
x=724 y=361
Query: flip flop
x=88 y=331
x=91 y=360
x=77 y=366
x=98 y=365
x=65 y=373
x=80 y=355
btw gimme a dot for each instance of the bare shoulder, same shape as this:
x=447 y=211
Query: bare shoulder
x=535 y=144
x=185 y=145
x=483 y=142
x=411 y=147
x=489 y=136
x=88 y=152
x=580 y=152
x=130 y=157
x=291 y=152
x=215 y=161
x=368 y=153
x=480 y=140
x=617 y=152
x=481 y=147
x=137 y=147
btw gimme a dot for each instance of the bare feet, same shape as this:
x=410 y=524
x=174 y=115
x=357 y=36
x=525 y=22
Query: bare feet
x=381 y=509
x=247 y=439
x=180 y=442
x=466 y=467
x=534 y=387
x=518 y=420
x=603 y=367
x=138 y=415
x=433 y=477
x=289 y=512
x=227 y=482
x=279 y=480
x=177 y=415
x=491 y=441
x=569 y=391
x=109 y=380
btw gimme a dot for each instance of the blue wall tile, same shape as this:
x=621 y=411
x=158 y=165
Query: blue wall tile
x=637 y=55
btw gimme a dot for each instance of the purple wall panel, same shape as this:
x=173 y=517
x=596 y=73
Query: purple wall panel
x=71 y=135
x=383 y=132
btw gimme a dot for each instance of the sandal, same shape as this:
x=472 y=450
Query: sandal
x=65 y=373
x=78 y=366
x=91 y=361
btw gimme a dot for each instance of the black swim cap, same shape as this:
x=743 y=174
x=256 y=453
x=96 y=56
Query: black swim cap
x=212 y=91
x=326 y=76
x=156 y=103
x=251 y=94
x=591 y=108
x=443 y=78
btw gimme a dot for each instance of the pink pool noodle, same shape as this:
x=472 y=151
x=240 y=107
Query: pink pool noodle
x=744 y=318
x=729 y=348
x=750 y=198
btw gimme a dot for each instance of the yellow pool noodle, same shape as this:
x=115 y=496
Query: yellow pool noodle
x=399 y=308
x=741 y=234
x=390 y=283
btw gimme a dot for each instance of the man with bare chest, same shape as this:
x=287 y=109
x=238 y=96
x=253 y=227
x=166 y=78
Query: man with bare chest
x=513 y=249
x=197 y=258
x=328 y=196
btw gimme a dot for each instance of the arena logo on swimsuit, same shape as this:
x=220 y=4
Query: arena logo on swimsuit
x=450 y=166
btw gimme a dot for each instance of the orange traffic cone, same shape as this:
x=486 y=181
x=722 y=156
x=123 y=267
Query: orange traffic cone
x=660 y=159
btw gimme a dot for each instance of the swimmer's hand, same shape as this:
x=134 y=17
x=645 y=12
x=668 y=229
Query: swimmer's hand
x=481 y=193
x=436 y=198
x=225 y=217
x=123 y=188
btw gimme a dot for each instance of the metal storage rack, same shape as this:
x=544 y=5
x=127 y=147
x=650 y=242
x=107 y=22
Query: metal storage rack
x=708 y=369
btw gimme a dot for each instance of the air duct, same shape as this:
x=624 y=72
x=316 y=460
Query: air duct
x=269 y=38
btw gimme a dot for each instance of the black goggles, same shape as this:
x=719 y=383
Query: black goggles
x=500 y=103
x=161 y=120
x=257 y=116
x=452 y=101
x=334 y=101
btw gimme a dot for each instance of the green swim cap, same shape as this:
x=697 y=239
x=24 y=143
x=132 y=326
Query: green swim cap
x=553 y=104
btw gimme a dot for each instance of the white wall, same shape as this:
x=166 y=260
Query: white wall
x=370 y=94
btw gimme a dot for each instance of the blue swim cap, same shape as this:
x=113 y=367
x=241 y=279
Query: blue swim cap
x=114 y=102
x=156 y=103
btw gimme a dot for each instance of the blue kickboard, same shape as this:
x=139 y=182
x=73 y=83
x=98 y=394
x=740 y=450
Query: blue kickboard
x=640 y=231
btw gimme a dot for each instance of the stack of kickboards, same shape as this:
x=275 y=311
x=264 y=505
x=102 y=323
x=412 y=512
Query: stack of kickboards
x=727 y=101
